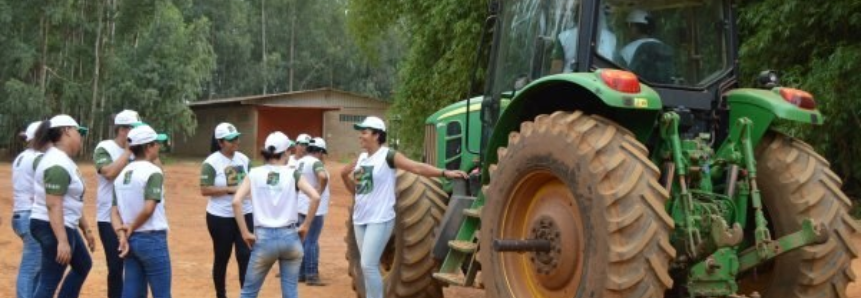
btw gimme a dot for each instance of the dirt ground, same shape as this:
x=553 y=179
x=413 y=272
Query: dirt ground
x=190 y=245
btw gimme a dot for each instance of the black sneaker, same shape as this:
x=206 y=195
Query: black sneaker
x=301 y=279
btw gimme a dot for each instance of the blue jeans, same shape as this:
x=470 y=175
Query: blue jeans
x=52 y=272
x=31 y=258
x=274 y=244
x=110 y=244
x=148 y=262
x=372 y=239
x=312 y=247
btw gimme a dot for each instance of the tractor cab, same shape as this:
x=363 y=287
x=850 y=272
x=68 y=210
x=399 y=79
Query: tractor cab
x=673 y=46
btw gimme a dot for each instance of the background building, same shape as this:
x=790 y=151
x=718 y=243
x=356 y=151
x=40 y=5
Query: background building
x=329 y=113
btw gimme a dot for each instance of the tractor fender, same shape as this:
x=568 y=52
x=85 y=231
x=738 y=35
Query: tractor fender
x=763 y=107
x=585 y=92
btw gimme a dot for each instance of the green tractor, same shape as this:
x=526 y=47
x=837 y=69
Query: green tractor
x=613 y=155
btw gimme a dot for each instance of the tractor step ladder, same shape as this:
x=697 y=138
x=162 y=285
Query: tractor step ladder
x=461 y=263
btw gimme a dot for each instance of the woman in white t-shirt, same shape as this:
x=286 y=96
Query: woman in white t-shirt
x=312 y=168
x=139 y=220
x=274 y=188
x=371 y=178
x=220 y=176
x=58 y=209
x=22 y=194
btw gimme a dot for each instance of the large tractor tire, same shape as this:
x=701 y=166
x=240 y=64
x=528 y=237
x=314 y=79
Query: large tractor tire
x=796 y=183
x=407 y=265
x=585 y=184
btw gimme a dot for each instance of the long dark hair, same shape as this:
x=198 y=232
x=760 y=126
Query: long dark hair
x=138 y=150
x=45 y=135
x=214 y=145
x=269 y=153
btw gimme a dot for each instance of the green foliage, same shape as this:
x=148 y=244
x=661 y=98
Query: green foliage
x=815 y=48
x=441 y=38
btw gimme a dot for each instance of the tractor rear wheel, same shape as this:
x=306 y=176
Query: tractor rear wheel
x=585 y=184
x=407 y=265
x=796 y=183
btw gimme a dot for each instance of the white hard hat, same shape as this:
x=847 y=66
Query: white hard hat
x=638 y=16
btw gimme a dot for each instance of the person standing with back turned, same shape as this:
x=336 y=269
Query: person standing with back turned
x=273 y=188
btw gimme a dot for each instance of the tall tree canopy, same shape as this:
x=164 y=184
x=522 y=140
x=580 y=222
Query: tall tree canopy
x=92 y=58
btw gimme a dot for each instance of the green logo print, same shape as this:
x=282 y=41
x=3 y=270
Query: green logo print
x=364 y=176
x=273 y=178
x=234 y=175
x=127 y=178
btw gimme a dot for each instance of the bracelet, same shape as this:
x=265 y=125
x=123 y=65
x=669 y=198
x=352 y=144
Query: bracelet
x=442 y=174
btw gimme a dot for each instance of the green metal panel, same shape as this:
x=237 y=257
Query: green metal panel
x=763 y=107
x=637 y=112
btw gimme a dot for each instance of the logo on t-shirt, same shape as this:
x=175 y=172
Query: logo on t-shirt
x=127 y=178
x=234 y=175
x=364 y=176
x=273 y=178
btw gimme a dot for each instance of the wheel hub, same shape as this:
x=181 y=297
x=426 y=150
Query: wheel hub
x=546 y=229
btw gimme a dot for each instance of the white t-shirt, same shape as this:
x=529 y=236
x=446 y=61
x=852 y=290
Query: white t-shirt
x=273 y=195
x=138 y=182
x=220 y=171
x=104 y=196
x=23 y=169
x=58 y=174
x=375 y=188
x=309 y=166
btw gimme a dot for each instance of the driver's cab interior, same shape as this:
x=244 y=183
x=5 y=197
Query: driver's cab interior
x=682 y=43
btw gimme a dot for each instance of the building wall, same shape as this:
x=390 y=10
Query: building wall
x=244 y=117
x=341 y=138
x=291 y=121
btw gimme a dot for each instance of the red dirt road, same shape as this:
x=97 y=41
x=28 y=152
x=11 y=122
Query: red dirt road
x=191 y=247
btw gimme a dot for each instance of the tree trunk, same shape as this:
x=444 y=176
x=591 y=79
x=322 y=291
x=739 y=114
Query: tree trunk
x=292 y=43
x=96 y=68
x=263 y=51
x=43 y=72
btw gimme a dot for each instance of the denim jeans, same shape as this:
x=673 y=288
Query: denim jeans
x=372 y=239
x=312 y=247
x=52 y=272
x=110 y=244
x=31 y=257
x=148 y=262
x=274 y=244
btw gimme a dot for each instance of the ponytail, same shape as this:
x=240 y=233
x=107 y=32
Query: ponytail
x=45 y=135
x=269 y=153
x=214 y=145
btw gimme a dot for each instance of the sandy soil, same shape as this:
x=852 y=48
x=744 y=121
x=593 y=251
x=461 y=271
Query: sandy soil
x=190 y=245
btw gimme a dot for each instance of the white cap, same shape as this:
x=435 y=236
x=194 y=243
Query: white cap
x=30 y=133
x=638 y=16
x=319 y=143
x=226 y=131
x=303 y=139
x=144 y=134
x=278 y=140
x=127 y=117
x=63 y=120
x=371 y=122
